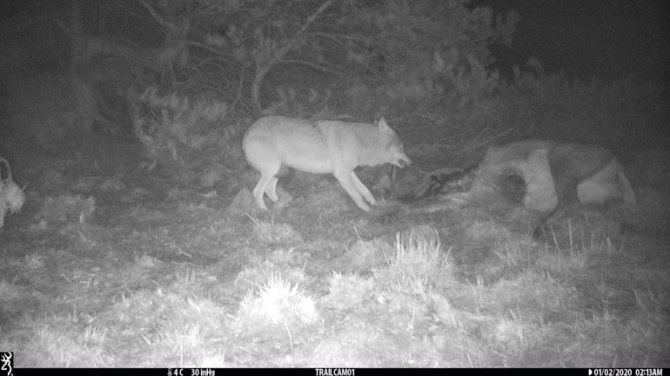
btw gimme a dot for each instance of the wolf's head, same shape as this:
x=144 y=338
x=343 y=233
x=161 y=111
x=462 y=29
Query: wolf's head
x=394 y=151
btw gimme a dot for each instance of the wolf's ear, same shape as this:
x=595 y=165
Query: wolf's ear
x=383 y=126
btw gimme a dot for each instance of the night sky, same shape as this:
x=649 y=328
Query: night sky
x=584 y=38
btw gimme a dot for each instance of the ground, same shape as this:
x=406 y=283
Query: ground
x=110 y=264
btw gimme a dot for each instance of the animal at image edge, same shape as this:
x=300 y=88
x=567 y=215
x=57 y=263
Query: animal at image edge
x=320 y=147
x=11 y=195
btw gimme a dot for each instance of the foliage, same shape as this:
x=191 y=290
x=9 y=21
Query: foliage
x=318 y=58
x=607 y=113
x=409 y=50
x=173 y=125
x=435 y=49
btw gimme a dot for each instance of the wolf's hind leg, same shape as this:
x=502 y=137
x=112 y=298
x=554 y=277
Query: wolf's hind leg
x=267 y=182
x=260 y=189
x=271 y=189
x=566 y=192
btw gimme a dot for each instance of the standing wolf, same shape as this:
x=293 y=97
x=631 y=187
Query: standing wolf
x=320 y=147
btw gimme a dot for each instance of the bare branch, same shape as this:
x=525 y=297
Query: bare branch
x=262 y=68
x=321 y=67
x=313 y=17
x=284 y=50
x=153 y=14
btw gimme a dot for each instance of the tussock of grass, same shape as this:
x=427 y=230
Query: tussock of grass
x=585 y=232
x=16 y=301
x=275 y=233
x=364 y=254
x=486 y=230
x=9 y=291
x=287 y=257
x=532 y=291
x=276 y=304
x=163 y=326
x=417 y=254
x=66 y=348
x=358 y=344
x=255 y=277
x=514 y=253
x=34 y=261
x=347 y=292
x=392 y=311
x=563 y=263
x=167 y=325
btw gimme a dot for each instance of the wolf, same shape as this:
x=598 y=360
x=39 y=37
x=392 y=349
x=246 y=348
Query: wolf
x=545 y=177
x=320 y=147
x=584 y=173
x=558 y=175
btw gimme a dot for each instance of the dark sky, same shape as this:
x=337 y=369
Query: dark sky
x=606 y=38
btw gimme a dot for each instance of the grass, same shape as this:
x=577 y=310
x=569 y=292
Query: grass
x=197 y=281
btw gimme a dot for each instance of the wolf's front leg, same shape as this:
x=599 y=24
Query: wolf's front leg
x=362 y=189
x=349 y=185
